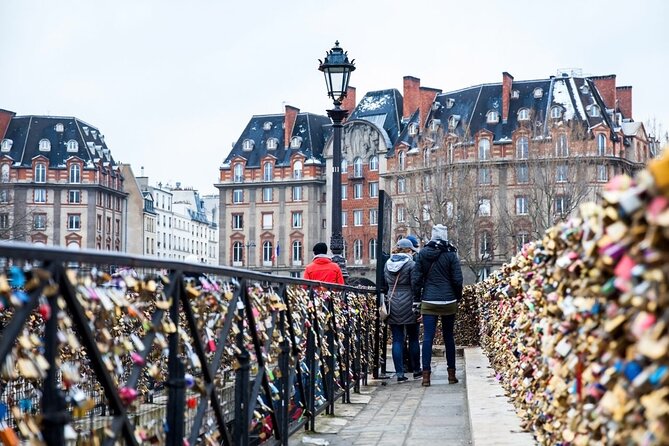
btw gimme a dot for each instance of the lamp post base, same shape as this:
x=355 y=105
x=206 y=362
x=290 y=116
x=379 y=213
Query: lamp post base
x=341 y=261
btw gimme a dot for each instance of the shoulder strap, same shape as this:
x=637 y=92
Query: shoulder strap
x=394 y=286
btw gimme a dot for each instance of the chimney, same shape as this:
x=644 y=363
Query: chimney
x=349 y=100
x=427 y=96
x=606 y=86
x=411 y=98
x=288 y=124
x=507 y=84
x=624 y=95
x=5 y=118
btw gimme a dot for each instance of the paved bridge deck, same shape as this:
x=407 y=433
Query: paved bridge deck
x=471 y=412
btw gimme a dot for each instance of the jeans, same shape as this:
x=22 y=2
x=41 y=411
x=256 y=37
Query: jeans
x=429 y=329
x=398 y=347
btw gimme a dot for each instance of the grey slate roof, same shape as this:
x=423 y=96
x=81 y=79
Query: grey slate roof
x=384 y=109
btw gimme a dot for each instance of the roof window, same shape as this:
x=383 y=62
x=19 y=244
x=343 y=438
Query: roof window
x=413 y=129
x=556 y=112
x=594 y=111
x=59 y=127
x=267 y=126
x=6 y=145
x=492 y=117
x=524 y=114
x=515 y=94
x=272 y=143
x=450 y=102
x=435 y=124
x=585 y=89
x=247 y=145
x=296 y=142
x=72 y=146
x=538 y=93
x=44 y=145
x=453 y=121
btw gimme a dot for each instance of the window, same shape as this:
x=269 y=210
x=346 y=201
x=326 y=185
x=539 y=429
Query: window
x=602 y=173
x=373 y=217
x=585 y=89
x=373 y=189
x=272 y=143
x=562 y=147
x=267 y=171
x=39 y=196
x=344 y=166
x=426 y=212
x=401 y=214
x=426 y=181
x=522 y=174
x=556 y=112
x=44 y=145
x=453 y=122
x=297 y=193
x=297 y=219
x=344 y=219
x=4 y=221
x=267 y=125
x=297 y=170
x=72 y=146
x=435 y=124
x=297 y=251
x=372 y=250
x=267 y=194
x=237 y=221
x=296 y=142
x=6 y=145
x=40 y=173
x=401 y=185
x=413 y=129
x=492 y=117
x=357 y=167
x=357 y=190
x=357 y=218
x=238 y=196
x=4 y=173
x=484 y=149
x=344 y=191
x=73 y=222
x=594 y=111
x=402 y=160
x=521 y=205
x=357 y=251
x=449 y=209
x=538 y=93
x=75 y=173
x=601 y=145
x=238 y=176
x=484 y=175
x=561 y=205
x=522 y=238
x=485 y=248
x=524 y=114
x=39 y=222
x=561 y=174
x=74 y=196
x=484 y=207
x=247 y=145
x=237 y=252
x=4 y=196
x=267 y=221
x=374 y=162
x=267 y=251
x=523 y=148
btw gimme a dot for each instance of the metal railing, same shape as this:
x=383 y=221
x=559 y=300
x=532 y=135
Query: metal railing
x=131 y=349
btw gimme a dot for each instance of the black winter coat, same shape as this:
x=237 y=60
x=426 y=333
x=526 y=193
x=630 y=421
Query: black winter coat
x=399 y=267
x=441 y=282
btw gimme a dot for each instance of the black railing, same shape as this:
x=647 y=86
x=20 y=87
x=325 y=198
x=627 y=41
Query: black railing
x=133 y=349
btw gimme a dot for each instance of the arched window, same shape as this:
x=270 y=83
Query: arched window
x=594 y=111
x=297 y=251
x=492 y=117
x=72 y=145
x=6 y=145
x=297 y=169
x=357 y=167
x=522 y=148
x=267 y=171
x=40 y=173
x=4 y=173
x=44 y=145
x=562 y=146
x=75 y=173
x=357 y=250
x=344 y=165
x=426 y=157
x=267 y=251
x=524 y=114
x=372 y=249
x=247 y=145
x=402 y=159
x=556 y=112
x=296 y=142
x=238 y=173
x=601 y=145
x=272 y=143
x=373 y=162
x=484 y=149
x=237 y=252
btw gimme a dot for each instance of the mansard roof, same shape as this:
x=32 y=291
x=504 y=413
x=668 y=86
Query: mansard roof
x=406 y=138
x=313 y=129
x=382 y=108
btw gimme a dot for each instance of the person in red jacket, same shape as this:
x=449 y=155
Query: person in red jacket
x=322 y=269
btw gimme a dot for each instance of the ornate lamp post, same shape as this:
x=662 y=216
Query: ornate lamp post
x=337 y=70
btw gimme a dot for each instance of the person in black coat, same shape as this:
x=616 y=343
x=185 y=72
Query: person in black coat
x=437 y=285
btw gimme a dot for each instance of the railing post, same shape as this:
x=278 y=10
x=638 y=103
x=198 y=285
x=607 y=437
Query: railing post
x=284 y=382
x=355 y=329
x=346 y=379
x=242 y=376
x=176 y=394
x=311 y=357
x=331 y=361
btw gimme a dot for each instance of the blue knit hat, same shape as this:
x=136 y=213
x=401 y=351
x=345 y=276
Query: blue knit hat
x=414 y=240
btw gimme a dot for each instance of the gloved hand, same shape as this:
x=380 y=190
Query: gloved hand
x=416 y=308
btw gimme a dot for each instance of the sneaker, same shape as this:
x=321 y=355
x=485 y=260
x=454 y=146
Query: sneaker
x=401 y=379
x=417 y=375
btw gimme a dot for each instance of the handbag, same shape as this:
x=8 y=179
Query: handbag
x=383 y=311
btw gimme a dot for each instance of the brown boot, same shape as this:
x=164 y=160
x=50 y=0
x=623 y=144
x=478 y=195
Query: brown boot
x=426 y=378
x=451 y=376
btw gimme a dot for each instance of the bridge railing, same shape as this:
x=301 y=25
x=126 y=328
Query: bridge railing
x=125 y=349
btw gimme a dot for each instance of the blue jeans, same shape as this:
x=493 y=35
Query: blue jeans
x=398 y=347
x=429 y=329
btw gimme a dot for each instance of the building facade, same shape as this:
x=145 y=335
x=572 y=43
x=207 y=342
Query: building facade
x=59 y=184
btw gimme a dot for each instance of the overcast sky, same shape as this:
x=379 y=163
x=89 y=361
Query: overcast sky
x=171 y=84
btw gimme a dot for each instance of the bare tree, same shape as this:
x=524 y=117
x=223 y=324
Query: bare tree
x=16 y=225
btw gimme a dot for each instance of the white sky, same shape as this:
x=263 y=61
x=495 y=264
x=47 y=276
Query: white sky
x=171 y=84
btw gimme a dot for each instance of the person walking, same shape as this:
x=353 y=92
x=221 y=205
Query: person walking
x=437 y=285
x=322 y=268
x=397 y=286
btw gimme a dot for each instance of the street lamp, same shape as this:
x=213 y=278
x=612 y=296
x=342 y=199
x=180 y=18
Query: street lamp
x=337 y=70
x=248 y=257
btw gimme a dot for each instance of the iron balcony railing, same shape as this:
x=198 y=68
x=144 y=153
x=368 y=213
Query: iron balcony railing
x=97 y=347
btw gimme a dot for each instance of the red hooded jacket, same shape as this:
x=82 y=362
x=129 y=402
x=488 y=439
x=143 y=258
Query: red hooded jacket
x=322 y=269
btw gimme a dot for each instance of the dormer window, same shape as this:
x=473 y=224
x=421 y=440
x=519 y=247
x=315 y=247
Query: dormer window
x=556 y=112
x=268 y=171
x=585 y=89
x=515 y=94
x=344 y=165
x=453 y=122
x=297 y=170
x=524 y=114
x=413 y=129
x=44 y=145
x=357 y=167
x=434 y=125
x=296 y=142
x=450 y=102
x=267 y=126
x=247 y=145
x=272 y=143
x=72 y=146
x=59 y=127
x=6 y=145
x=238 y=176
x=538 y=93
x=492 y=117
x=374 y=163
x=594 y=111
